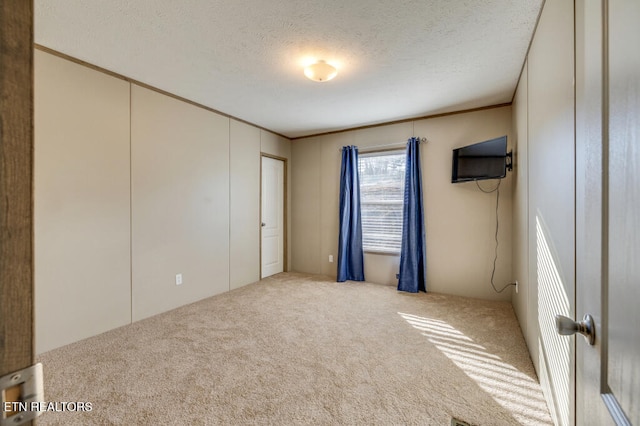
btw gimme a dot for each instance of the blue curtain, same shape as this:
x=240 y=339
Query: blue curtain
x=413 y=262
x=350 y=254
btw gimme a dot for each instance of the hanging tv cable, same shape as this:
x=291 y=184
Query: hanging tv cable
x=495 y=258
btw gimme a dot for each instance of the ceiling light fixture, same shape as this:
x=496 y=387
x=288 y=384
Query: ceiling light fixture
x=320 y=71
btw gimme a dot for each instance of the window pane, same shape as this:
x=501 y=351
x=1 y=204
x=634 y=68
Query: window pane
x=381 y=196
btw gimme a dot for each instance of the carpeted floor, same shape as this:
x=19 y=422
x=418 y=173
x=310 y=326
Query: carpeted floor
x=301 y=349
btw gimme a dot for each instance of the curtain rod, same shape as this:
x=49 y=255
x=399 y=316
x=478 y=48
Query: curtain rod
x=389 y=145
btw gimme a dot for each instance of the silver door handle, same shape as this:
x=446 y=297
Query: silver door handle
x=566 y=327
x=263 y=224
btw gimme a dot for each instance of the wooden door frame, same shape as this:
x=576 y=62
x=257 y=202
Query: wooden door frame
x=285 y=201
x=589 y=171
x=16 y=185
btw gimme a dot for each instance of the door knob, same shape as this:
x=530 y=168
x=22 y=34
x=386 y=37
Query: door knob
x=566 y=327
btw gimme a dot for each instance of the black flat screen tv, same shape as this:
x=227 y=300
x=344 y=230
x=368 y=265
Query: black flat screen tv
x=482 y=160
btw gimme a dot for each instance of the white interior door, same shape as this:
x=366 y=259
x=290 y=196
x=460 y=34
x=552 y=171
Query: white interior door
x=272 y=253
x=608 y=206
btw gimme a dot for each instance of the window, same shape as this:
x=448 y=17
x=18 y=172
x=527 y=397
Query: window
x=381 y=198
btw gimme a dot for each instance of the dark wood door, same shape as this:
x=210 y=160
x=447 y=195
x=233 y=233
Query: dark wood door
x=16 y=172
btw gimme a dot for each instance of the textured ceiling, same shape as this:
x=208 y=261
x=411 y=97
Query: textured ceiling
x=397 y=59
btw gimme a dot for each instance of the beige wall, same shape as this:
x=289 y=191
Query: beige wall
x=546 y=99
x=520 y=236
x=81 y=212
x=133 y=187
x=460 y=219
x=244 y=196
x=180 y=202
x=305 y=193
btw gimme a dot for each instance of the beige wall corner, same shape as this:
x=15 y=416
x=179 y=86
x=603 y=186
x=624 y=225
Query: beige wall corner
x=520 y=236
x=305 y=202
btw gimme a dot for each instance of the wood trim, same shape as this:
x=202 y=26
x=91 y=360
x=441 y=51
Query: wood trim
x=285 y=218
x=405 y=120
x=16 y=185
x=81 y=62
x=146 y=86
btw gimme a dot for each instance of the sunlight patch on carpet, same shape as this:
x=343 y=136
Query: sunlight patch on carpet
x=508 y=386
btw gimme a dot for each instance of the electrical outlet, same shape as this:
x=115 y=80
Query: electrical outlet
x=330 y=258
x=516 y=286
x=178 y=279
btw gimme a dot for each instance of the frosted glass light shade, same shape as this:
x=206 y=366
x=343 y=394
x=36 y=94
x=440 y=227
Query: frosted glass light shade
x=320 y=71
